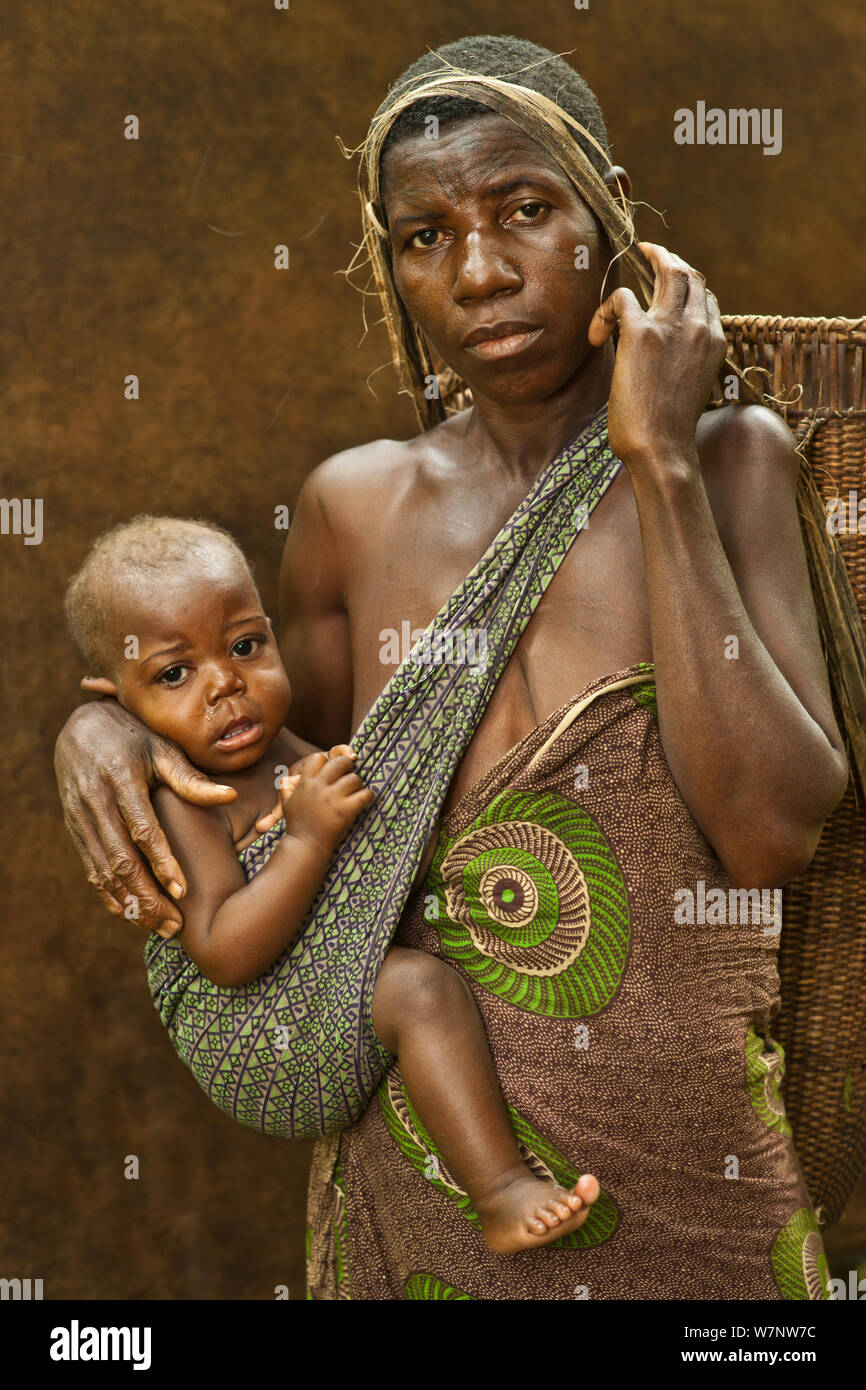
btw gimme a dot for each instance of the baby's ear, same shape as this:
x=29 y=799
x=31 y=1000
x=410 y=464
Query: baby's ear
x=98 y=685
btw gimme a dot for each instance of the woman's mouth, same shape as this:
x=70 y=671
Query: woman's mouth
x=507 y=346
x=240 y=733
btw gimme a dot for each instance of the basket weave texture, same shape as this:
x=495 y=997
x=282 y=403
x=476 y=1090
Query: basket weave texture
x=822 y=966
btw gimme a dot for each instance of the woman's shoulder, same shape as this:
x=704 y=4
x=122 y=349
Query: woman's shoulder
x=379 y=474
x=744 y=432
x=749 y=464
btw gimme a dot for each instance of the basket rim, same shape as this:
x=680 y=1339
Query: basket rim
x=852 y=330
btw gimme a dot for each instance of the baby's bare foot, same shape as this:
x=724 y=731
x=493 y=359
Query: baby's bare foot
x=527 y=1211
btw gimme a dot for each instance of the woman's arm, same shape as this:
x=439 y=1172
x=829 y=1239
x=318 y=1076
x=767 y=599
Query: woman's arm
x=314 y=624
x=745 y=714
x=234 y=930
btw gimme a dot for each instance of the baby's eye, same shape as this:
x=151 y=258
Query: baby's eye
x=245 y=646
x=173 y=676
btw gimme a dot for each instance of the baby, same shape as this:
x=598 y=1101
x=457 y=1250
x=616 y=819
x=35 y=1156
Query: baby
x=166 y=610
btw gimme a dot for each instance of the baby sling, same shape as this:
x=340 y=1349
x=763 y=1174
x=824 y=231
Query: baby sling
x=294 y=1053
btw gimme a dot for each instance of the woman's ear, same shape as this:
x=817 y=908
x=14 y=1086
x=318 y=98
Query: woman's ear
x=615 y=172
x=98 y=685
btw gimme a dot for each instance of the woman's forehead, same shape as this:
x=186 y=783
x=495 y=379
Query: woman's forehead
x=478 y=148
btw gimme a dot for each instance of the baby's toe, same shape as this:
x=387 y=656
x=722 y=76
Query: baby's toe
x=572 y=1200
x=558 y=1202
x=587 y=1188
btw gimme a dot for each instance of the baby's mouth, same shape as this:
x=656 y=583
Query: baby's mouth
x=239 y=733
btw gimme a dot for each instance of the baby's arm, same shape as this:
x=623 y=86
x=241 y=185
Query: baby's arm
x=234 y=930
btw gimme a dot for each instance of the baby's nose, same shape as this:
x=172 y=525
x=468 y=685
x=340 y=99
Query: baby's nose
x=226 y=680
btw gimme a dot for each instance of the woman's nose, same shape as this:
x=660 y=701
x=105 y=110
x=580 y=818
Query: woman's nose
x=483 y=269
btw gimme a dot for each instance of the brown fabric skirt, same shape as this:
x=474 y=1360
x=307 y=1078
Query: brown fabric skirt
x=628 y=991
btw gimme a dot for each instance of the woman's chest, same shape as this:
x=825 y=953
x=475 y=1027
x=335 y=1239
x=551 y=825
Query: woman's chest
x=591 y=618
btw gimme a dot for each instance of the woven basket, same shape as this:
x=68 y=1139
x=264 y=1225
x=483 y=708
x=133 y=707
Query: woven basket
x=822 y=966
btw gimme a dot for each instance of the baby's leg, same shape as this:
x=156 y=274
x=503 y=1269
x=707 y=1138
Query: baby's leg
x=424 y=1012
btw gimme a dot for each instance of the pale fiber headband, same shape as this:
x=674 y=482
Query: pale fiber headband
x=548 y=125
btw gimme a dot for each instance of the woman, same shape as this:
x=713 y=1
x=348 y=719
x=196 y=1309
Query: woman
x=629 y=1041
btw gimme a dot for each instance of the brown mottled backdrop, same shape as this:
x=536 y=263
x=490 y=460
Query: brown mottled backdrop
x=155 y=257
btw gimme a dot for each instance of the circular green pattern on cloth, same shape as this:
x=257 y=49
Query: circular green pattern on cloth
x=530 y=901
x=765 y=1071
x=799 y=1262
x=427 y=1286
x=645 y=696
x=545 y=1161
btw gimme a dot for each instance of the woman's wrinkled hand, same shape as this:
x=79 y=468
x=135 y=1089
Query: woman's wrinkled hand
x=667 y=359
x=106 y=761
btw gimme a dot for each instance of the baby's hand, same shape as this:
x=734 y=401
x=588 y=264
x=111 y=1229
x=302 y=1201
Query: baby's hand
x=286 y=789
x=290 y=781
x=287 y=786
x=326 y=798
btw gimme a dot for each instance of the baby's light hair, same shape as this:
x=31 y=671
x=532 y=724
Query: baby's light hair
x=145 y=546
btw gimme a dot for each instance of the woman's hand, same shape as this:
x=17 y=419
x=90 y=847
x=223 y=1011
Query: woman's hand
x=667 y=358
x=105 y=761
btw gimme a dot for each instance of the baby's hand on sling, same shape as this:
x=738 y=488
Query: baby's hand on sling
x=327 y=796
x=291 y=780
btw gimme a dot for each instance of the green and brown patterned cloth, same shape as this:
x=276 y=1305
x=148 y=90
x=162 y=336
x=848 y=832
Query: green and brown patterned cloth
x=629 y=1043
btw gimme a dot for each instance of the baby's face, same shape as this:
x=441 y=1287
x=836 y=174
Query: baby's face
x=207 y=672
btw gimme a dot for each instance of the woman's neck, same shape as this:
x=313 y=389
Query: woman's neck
x=521 y=438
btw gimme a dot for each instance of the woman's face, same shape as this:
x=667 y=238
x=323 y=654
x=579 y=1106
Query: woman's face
x=487 y=229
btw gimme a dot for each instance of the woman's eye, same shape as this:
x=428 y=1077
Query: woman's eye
x=534 y=207
x=173 y=676
x=533 y=204
x=425 y=231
